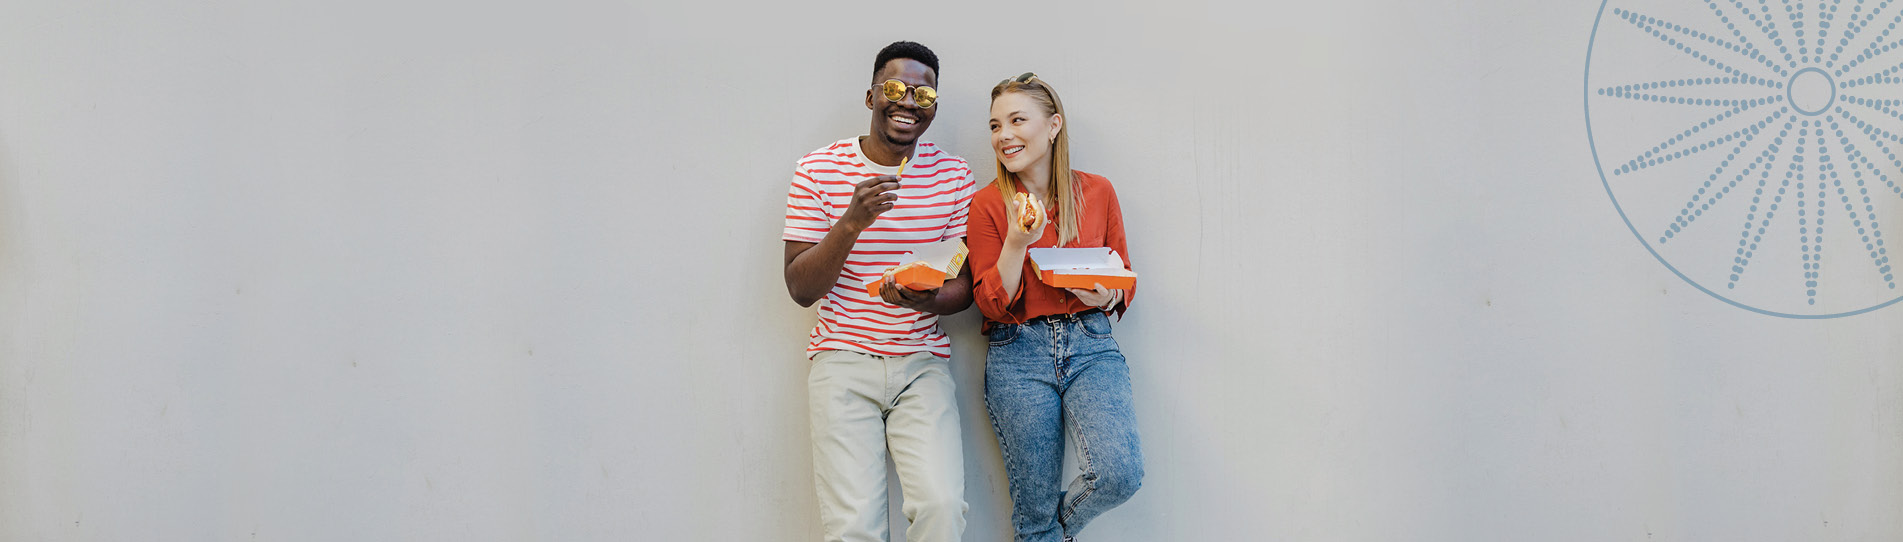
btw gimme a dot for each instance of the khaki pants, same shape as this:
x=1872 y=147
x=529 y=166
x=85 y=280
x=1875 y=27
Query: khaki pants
x=864 y=406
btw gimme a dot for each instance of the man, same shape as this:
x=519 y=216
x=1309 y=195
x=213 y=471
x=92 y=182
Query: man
x=879 y=380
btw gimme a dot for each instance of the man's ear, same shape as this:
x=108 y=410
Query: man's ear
x=869 y=100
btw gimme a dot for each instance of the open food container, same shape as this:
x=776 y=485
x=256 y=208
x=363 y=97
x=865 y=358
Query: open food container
x=1082 y=268
x=927 y=268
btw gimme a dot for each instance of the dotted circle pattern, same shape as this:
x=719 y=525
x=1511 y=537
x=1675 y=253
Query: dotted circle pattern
x=1813 y=164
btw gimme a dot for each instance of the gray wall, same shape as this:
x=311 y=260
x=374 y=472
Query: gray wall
x=454 y=271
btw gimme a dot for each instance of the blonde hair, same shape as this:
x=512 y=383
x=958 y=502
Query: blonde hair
x=1063 y=184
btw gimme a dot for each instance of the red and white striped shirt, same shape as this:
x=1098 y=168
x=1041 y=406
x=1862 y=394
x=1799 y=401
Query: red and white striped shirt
x=934 y=204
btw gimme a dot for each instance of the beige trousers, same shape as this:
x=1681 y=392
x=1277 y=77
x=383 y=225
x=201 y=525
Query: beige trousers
x=864 y=407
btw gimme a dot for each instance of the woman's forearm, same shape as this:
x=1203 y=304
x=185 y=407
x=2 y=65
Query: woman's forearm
x=1011 y=268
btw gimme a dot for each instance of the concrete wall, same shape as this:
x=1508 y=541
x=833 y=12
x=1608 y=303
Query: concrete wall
x=453 y=271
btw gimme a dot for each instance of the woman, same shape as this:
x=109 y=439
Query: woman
x=1052 y=364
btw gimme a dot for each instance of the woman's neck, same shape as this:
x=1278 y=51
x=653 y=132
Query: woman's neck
x=1037 y=180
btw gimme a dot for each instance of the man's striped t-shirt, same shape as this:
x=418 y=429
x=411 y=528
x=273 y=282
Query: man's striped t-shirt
x=934 y=202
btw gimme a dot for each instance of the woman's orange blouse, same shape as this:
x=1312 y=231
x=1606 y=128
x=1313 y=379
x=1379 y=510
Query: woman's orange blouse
x=1100 y=225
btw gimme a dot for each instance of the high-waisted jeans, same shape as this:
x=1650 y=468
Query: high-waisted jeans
x=1041 y=377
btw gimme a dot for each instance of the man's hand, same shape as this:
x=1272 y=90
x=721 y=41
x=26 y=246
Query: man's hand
x=917 y=300
x=870 y=198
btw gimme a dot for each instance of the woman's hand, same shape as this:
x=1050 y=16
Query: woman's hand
x=1017 y=236
x=1102 y=298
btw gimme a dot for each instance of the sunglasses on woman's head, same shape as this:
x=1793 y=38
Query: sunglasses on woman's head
x=895 y=90
x=1019 y=79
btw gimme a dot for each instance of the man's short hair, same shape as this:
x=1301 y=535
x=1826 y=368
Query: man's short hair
x=905 y=49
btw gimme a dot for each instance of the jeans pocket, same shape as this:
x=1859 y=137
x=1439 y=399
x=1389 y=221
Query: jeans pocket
x=1003 y=334
x=1095 y=324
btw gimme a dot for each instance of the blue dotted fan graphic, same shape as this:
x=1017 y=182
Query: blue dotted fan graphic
x=1751 y=145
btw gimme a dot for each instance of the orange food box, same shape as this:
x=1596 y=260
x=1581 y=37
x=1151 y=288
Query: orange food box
x=1082 y=268
x=930 y=266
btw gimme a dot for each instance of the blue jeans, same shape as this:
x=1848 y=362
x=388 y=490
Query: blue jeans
x=1040 y=377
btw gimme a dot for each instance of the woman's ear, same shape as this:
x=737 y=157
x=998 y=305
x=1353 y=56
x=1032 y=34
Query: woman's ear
x=1057 y=125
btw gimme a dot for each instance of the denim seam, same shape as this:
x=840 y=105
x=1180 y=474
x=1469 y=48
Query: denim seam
x=1014 y=337
x=1004 y=452
x=1086 y=328
x=1089 y=468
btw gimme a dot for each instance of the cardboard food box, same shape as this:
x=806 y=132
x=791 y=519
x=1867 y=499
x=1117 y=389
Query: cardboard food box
x=1082 y=268
x=928 y=267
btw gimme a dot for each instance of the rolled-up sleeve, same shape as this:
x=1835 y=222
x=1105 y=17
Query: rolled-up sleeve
x=1113 y=237
x=985 y=236
x=807 y=219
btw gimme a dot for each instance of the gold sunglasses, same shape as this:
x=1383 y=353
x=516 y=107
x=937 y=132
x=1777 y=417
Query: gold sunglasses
x=895 y=90
x=1019 y=79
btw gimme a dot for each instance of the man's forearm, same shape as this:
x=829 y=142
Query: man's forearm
x=953 y=297
x=813 y=270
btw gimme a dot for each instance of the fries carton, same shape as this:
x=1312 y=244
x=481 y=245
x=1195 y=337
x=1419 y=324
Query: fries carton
x=1082 y=268
x=929 y=267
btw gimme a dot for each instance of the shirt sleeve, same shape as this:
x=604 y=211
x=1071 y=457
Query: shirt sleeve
x=807 y=220
x=961 y=217
x=986 y=240
x=1113 y=237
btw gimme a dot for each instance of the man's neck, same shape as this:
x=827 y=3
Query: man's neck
x=880 y=152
